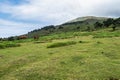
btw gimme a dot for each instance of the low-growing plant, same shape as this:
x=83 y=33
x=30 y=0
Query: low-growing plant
x=83 y=42
x=42 y=41
x=107 y=34
x=60 y=44
x=12 y=45
x=2 y=46
x=110 y=55
x=98 y=42
x=37 y=42
x=8 y=44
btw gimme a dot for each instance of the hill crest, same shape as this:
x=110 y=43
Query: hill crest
x=87 y=18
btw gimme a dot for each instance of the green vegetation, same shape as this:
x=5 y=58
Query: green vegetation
x=104 y=33
x=89 y=24
x=86 y=48
x=8 y=44
x=107 y=34
x=80 y=57
x=60 y=44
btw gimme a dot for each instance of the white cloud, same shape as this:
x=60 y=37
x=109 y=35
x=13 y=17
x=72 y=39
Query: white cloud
x=11 y=28
x=60 y=11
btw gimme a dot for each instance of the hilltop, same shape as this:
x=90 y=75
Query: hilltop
x=87 y=18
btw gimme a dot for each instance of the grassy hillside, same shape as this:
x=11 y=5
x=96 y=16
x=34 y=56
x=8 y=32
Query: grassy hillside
x=79 y=24
x=75 y=56
x=82 y=24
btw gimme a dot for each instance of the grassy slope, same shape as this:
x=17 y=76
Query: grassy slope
x=97 y=58
x=79 y=24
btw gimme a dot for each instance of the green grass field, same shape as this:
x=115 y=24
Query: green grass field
x=94 y=56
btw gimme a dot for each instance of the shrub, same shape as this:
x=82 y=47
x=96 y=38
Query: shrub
x=8 y=44
x=60 y=44
x=2 y=46
x=12 y=45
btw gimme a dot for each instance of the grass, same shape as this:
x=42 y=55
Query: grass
x=104 y=33
x=61 y=44
x=8 y=45
x=107 y=34
x=88 y=59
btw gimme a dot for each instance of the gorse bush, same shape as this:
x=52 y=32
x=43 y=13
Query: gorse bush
x=8 y=44
x=60 y=44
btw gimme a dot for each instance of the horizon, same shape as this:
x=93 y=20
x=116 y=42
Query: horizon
x=18 y=17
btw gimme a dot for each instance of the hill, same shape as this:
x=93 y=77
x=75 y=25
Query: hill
x=88 y=18
x=79 y=24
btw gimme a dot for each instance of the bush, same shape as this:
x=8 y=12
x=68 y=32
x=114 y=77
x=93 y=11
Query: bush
x=8 y=44
x=12 y=45
x=2 y=46
x=60 y=44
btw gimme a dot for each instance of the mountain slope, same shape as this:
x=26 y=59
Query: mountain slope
x=78 y=24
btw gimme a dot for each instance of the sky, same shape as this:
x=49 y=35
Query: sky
x=21 y=16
